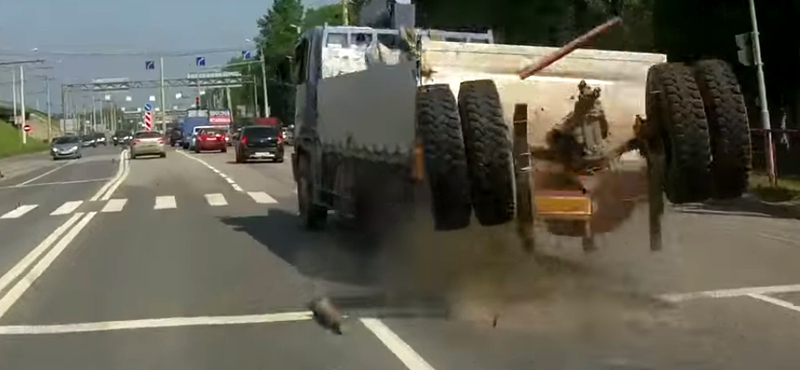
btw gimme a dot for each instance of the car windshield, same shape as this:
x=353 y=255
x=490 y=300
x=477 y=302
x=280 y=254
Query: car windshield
x=147 y=135
x=264 y=131
x=100 y=136
x=65 y=140
x=88 y=137
x=121 y=133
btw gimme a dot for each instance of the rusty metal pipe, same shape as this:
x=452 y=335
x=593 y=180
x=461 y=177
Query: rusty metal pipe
x=568 y=48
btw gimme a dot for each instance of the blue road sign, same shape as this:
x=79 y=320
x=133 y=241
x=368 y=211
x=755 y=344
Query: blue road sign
x=150 y=64
x=200 y=61
x=246 y=54
x=148 y=107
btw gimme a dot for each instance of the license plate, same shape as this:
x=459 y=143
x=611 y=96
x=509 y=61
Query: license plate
x=264 y=154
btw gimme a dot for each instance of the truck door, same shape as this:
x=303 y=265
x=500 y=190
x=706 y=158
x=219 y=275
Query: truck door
x=305 y=93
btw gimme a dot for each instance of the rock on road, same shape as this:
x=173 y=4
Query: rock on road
x=195 y=262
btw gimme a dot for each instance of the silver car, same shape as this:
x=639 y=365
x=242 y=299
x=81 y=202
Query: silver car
x=148 y=143
x=66 y=147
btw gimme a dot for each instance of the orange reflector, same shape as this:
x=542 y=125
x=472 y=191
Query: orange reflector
x=567 y=206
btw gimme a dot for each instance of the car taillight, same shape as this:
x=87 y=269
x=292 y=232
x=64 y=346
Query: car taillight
x=280 y=138
x=161 y=140
x=134 y=142
x=243 y=140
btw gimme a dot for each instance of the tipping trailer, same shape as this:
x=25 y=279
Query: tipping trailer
x=441 y=113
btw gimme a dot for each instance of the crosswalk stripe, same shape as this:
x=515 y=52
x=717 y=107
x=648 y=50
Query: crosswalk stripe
x=19 y=211
x=261 y=197
x=67 y=208
x=216 y=199
x=114 y=205
x=165 y=202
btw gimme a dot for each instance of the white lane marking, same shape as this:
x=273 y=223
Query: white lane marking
x=114 y=205
x=400 y=348
x=730 y=293
x=26 y=281
x=165 y=202
x=225 y=177
x=26 y=261
x=19 y=211
x=216 y=199
x=155 y=323
x=775 y=301
x=54 y=183
x=44 y=174
x=262 y=197
x=120 y=170
x=67 y=208
x=126 y=164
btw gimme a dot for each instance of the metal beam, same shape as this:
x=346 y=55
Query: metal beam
x=233 y=81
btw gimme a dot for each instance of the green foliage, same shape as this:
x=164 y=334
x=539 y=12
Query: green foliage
x=11 y=142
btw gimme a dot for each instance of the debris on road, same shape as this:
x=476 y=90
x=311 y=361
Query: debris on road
x=326 y=315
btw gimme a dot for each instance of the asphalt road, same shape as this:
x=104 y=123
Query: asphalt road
x=195 y=262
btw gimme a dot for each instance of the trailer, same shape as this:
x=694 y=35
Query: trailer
x=539 y=135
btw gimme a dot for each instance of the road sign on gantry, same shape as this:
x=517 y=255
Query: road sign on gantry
x=200 y=61
x=150 y=64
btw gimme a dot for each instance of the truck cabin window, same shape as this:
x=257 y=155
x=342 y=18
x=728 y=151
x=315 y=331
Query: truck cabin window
x=361 y=40
x=336 y=39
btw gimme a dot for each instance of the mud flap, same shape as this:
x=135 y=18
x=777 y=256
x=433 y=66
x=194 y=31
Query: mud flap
x=523 y=167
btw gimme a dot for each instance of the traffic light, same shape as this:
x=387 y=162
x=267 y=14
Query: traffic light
x=197 y=102
x=745 y=43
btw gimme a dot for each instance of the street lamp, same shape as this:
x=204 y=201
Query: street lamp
x=263 y=77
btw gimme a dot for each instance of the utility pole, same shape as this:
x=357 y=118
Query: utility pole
x=163 y=99
x=94 y=113
x=22 y=102
x=49 y=111
x=762 y=96
x=64 y=114
x=345 y=14
x=264 y=82
x=14 y=94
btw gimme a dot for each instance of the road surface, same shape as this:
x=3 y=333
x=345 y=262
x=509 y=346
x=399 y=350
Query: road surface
x=195 y=262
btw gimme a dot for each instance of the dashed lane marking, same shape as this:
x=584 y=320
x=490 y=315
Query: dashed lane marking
x=225 y=177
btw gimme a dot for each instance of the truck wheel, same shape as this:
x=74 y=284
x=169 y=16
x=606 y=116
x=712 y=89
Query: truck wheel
x=673 y=101
x=488 y=148
x=312 y=216
x=728 y=128
x=445 y=159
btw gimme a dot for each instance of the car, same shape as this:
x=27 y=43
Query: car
x=211 y=139
x=88 y=140
x=192 y=140
x=260 y=142
x=121 y=138
x=148 y=143
x=100 y=139
x=66 y=147
x=175 y=137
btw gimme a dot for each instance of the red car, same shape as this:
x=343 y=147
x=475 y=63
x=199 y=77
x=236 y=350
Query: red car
x=211 y=139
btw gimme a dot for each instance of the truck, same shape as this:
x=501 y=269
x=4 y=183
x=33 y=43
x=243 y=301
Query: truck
x=508 y=132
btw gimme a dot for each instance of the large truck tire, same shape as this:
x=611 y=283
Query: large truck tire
x=728 y=128
x=488 y=148
x=445 y=158
x=312 y=216
x=673 y=101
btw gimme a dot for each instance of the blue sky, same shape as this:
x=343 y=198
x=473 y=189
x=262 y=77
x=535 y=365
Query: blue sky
x=59 y=28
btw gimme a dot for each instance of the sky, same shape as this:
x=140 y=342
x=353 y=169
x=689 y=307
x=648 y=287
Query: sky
x=57 y=30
